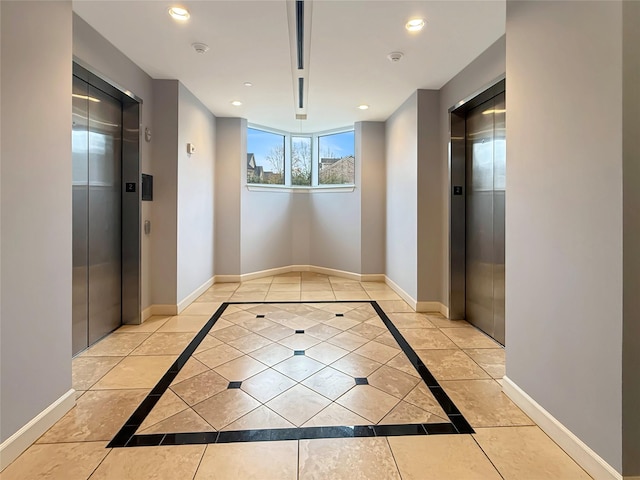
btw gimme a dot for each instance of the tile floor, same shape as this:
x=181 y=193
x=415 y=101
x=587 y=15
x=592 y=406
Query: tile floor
x=283 y=390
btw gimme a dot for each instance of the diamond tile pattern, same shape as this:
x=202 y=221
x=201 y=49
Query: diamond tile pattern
x=254 y=349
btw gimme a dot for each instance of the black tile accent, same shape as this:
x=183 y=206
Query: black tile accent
x=126 y=437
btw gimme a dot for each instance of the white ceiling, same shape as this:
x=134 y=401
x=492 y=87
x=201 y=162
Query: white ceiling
x=350 y=40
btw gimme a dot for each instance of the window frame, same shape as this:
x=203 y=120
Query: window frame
x=315 y=154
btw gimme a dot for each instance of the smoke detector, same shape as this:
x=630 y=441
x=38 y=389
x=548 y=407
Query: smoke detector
x=200 y=47
x=395 y=56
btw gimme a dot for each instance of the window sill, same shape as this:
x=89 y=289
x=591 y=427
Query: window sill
x=288 y=189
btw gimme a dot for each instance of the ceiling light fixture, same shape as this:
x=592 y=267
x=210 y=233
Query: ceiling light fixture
x=395 y=56
x=248 y=84
x=363 y=107
x=179 y=13
x=200 y=47
x=236 y=103
x=415 y=24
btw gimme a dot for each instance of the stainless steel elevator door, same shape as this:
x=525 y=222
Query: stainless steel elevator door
x=97 y=236
x=485 y=202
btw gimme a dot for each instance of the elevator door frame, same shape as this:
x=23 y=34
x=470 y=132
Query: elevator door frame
x=131 y=201
x=457 y=202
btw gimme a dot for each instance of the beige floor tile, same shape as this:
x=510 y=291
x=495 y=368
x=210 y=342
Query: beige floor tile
x=422 y=398
x=256 y=324
x=258 y=419
x=321 y=286
x=383 y=295
x=272 y=354
x=253 y=287
x=299 y=341
x=267 y=384
x=282 y=297
x=343 y=323
x=267 y=279
x=168 y=405
x=238 y=316
x=527 y=453
x=184 y=422
x=136 y=372
x=164 y=344
x=470 y=338
x=226 y=407
x=375 y=286
x=201 y=308
x=404 y=413
x=250 y=342
x=276 y=332
x=377 y=351
x=390 y=306
x=185 y=323
x=411 y=320
x=322 y=331
x=157 y=463
x=208 y=342
x=219 y=325
x=298 y=404
x=326 y=353
x=224 y=287
x=248 y=297
x=307 y=295
x=423 y=338
x=441 y=457
x=280 y=314
x=96 y=416
x=230 y=333
x=61 y=461
x=356 y=365
x=86 y=371
x=116 y=345
x=150 y=325
x=298 y=323
x=291 y=277
x=330 y=383
x=483 y=404
x=451 y=365
x=211 y=297
x=298 y=367
x=240 y=369
x=269 y=461
x=337 y=307
x=402 y=363
x=441 y=322
x=347 y=459
x=284 y=287
x=492 y=360
x=219 y=355
x=190 y=369
x=348 y=341
x=367 y=330
x=336 y=415
x=368 y=402
x=387 y=339
x=351 y=295
x=200 y=387
x=393 y=381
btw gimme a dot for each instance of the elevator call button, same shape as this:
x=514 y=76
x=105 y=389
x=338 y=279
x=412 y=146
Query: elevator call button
x=457 y=190
x=130 y=187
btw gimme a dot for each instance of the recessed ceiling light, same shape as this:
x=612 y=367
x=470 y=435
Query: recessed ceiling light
x=248 y=84
x=415 y=24
x=236 y=103
x=363 y=107
x=179 y=13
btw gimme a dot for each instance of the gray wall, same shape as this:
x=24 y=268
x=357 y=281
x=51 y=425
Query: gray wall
x=197 y=125
x=370 y=149
x=401 y=147
x=564 y=217
x=231 y=148
x=631 y=239
x=94 y=50
x=164 y=220
x=480 y=74
x=35 y=274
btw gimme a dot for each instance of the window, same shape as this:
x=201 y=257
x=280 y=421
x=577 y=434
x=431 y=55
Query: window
x=300 y=160
x=336 y=159
x=265 y=157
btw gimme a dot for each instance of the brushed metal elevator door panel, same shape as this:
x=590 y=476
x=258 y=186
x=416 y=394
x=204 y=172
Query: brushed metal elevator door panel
x=105 y=238
x=480 y=217
x=499 y=174
x=80 y=199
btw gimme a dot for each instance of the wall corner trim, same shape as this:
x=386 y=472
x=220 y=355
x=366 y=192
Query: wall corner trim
x=17 y=443
x=583 y=455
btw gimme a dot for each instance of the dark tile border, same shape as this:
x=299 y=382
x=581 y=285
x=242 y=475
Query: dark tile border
x=127 y=437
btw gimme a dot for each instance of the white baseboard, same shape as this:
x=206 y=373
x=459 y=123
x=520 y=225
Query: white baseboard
x=159 y=310
x=299 y=268
x=404 y=295
x=426 y=307
x=17 y=443
x=189 y=299
x=584 y=456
